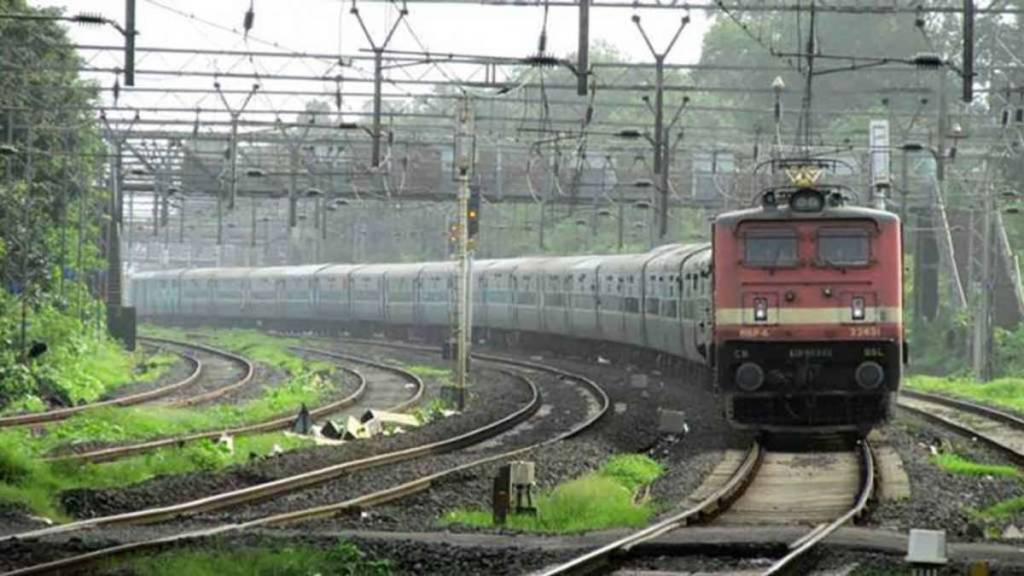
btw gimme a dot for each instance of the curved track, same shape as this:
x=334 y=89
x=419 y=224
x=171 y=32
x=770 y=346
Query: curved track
x=384 y=389
x=195 y=374
x=220 y=366
x=475 y=436
x=1000 y=429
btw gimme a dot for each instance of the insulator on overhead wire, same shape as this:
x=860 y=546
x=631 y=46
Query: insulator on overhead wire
x=250 y=17
x=89 y=18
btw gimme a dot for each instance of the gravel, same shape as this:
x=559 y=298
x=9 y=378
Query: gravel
x=633 y=429
x=940 y=499
x=493 y=395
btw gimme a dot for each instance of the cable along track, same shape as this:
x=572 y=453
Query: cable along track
x=378 y=497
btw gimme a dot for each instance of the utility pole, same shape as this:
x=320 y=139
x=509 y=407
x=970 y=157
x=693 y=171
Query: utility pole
x=983 y=315
x=233 y=143
x=378 y=75
x=129 y=42
x=114 y=238
x=659 y=116
x=583 y=49
x=464 y=154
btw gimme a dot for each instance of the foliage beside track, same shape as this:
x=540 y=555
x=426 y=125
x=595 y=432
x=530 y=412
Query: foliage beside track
x=26 y=480
x=1004 y=392
x=609 y=497
x=343 y=559
x=956 y=464
x=80 y=364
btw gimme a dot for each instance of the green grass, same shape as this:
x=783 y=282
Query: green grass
x=956 y=464
x=25 y=479
x=605 y=498
x=148 y=369
x=428 y=371
x=1005 y=392
x=1002 y=510
x=343 y=559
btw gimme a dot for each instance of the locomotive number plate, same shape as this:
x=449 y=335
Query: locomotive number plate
x=865 y=332
x=755 y=333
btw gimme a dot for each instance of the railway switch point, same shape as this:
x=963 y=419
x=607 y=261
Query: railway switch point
x=926 y=551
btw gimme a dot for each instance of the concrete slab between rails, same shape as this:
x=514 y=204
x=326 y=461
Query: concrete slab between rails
x=700 y=540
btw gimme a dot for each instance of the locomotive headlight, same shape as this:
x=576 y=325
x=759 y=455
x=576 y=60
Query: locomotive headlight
x=760 y=310
x=807 y=201
x=857 y=311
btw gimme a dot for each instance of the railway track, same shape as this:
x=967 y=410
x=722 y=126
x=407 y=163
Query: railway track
x=380 y=399
x=1000 y=429
x=197 y=370
x=223 y=373
x=488 y=431
x=715 y=505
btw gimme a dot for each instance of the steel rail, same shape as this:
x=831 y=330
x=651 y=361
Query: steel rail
x=471 y=437
x=1000 y=416
x=715 y=503
x=248 y=367
x=277 y=423
x=374 y=498
x=806 y=543
x=305 y=479
x=131 y=399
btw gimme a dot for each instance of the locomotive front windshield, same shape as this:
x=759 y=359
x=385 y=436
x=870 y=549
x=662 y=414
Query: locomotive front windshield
x=770 y=249
x=844 y=247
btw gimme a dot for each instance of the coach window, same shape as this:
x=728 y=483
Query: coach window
x=770 y=248
x=844 y=247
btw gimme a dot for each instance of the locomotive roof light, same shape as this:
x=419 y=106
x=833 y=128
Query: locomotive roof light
x=768 y=199
x=807 y=201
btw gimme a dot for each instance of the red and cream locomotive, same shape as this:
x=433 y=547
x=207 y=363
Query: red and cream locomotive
x=808 y=330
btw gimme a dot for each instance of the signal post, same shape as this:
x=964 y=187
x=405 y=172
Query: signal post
x=465 y=156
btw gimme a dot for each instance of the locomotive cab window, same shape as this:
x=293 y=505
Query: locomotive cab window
x=770 y=249
x=844 y=247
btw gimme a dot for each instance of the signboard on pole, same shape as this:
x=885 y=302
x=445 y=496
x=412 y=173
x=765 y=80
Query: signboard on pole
x=881 y=154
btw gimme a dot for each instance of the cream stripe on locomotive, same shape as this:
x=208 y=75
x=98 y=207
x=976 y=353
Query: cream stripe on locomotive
x=791 y=316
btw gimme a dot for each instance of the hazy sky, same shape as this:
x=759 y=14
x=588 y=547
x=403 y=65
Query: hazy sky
x=327 y=26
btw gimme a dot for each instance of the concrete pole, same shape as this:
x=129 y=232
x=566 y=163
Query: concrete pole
x=983 y=319
x=233 y=146
x=659 y=144
x=378 y=77
x=463 y=330
x=622 y=216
